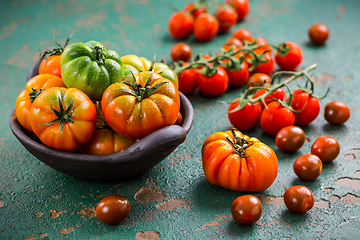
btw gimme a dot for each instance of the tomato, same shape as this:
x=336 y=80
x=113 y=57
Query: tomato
x=258 y=80
x=51 y=65
x=266 y=67
x=308 y=167
x=279 y=94
x=299 y=199
x=233 y=41
x=245 y=118
x=63 y=118
x=181 y=25
x=292 y=59
x=238 y=162
x=290 y=139
x=164 y=70
x=179 y=119
x=90 y=68
x=28 y=95
x=214 y=85
x=180 y=51
x=336 y=112
x=187 y=80
x=309 y=106
x=262 y=42
x=318 y=33
x=326 y=148
x=243 y=35
x=276 y=117
x=113 y=209
x=140 y=104
x=226 y=16
x=206 y=27
x=242 y=7
x=195 y=10
x=246 y=209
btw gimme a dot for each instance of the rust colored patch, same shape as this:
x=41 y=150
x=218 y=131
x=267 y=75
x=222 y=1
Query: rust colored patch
x=328 y=190
x=91 y=21
x=211 y=223
x=334 y=198
x=348 y=78
x=147 y=194
x=1 y=204
x=349 y=157
x=326 y=77
x=357 y=173
x=350 y=198
x=10 y=61
x=348 y=182
x=55 y=214
x=90 y=212
x=355 y=150
x=342 y=8
x=278 y=201
x=8 y=30
x=66 y=230
x=43 y=235
x=173 y=203
x=321 y=203
x=38 y=214
x=148 y=235
x=31 y=237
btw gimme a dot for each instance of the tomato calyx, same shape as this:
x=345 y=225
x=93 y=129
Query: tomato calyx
x=240 y=144
x=33 y=95
x=98 y=55
x=283 y=49
x=54 y=51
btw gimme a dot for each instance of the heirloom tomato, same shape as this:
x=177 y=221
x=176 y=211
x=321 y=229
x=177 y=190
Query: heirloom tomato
x=318 y=33
x=326 y=148
x=308 y=167
x=140 y=104
x=51 y=65
x=187 y=80
x=299 y=199
x=238 y=162
x=214 y=85
x=245 y=118
x=308 y=106
x=226 y=16
x=63 y=118
x=292 y=59
x=181 y=25
x=336 y=112
x=242 y=7
x=206 y=27
x=246 y=209
x=113 y=209
x=90 y=68
x=32 y=89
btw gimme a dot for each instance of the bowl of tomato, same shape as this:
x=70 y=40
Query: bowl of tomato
x=131 y=161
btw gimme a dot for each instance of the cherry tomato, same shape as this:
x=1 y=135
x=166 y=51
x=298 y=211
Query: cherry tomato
x=226 y=16
x=206 y=27
x=113 y=209
x=246 y=209
x=187 y=81
x=214 y=85
x=292 y=59
x=278 y=94
x=245 y=118
x=242 y=35
x=195 y=10
x=309 y=106
x=242 y=7
x=233 y=41
x=290 y=139
x=266 y=67
x=258 y=80
x=318 y=33
x=299 y=199
x=180 y=51
x=326 y=148
x=276 y=117
x=262 y=42
x=336 y=112
x=308 y=167
x=180 y=25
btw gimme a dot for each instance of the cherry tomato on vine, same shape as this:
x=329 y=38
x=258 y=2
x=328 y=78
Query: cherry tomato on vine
x=292 y=59
x=113 y=209
x=214 y=85
x=206 y=27
x=194 y=10
x=262 y=42
x=308 y=167
x=258 y=79
x=187 y=80
x=180 y=51
x=233 y=41
x=266 y=67
x=245 y=118
x=246 y=209
x=51 y=65
x=279 y=94
x=276 y=117
x=181 y=25
x=242 y=7
x=242 y=35
x=318 y=33
x=299 y=199
x=336 y=112
x=326 y=148
x=290 y=139
x=309 y=106
x=226 y=16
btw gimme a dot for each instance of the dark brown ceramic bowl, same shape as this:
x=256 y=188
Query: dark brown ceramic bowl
x=130 y=162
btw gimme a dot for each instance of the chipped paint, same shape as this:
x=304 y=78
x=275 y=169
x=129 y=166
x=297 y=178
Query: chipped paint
x=334 y=198
x=348 y=182
x=147 y=194
x=55 y=214
x=321 y=203
x=328 y=190
x=89 y=212
x=38 y=214
x=66 y=230
x=355 y=150
x=211 y=223
x=349 y=157
x=357 y=173
x=148 y=235
x=350 y=198
x=277 y=201
x=1 y=204
x=174 y=203
x=348 y=78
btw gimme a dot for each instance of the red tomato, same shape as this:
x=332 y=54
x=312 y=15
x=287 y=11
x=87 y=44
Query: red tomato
x=278 y=94
x=326 y=148
x=292 y=59
x=309 y=105
x=262 y=42
x=187 y=81
x=276 y=117
x=245 y=118
x=308 y=167
x=214 y=85
x=258 y=79
x=246 y=209
x=242 y=7
x=233 y=41
x=336 y=112
x=290 y=139
x=51 y=65
x=242 y=35
x=195 y=10
x=299 y=199
x=226 y=16
x=206 y=27
x=318 y=33
x=180 y=51
x=181 y=25
x=113 y=209
x=266 y=67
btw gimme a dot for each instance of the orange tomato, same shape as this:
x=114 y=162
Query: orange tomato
x=51 y=65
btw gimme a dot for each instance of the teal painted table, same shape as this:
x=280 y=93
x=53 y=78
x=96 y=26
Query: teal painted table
x=174 y=200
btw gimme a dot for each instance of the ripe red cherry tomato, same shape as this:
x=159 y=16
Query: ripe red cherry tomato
x=246 y=209
x=187 y=80
x=290 y=139
x=258 y=79
x=206 y=27
x=278 y=94
x=181 y=51
x=214 y=85
x=194 y=10
x=292 y=59
x=242 y=7
x=309 y=105
x=113 y=209
x=245 y=118
x=308 y=167
x=326 y=148
x=266 y=67
x=181 y=25
x=233 y=41
x=276 y=117
x=336 y=112
x=299 y=199
x=242 y=35
x=262 y=42
x=226 y=16
x=318 y=33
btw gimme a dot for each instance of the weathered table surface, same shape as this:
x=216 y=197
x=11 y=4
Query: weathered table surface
x=174 y=200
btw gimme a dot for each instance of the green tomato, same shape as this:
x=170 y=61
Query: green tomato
x=90 y=68
x=165 y=71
